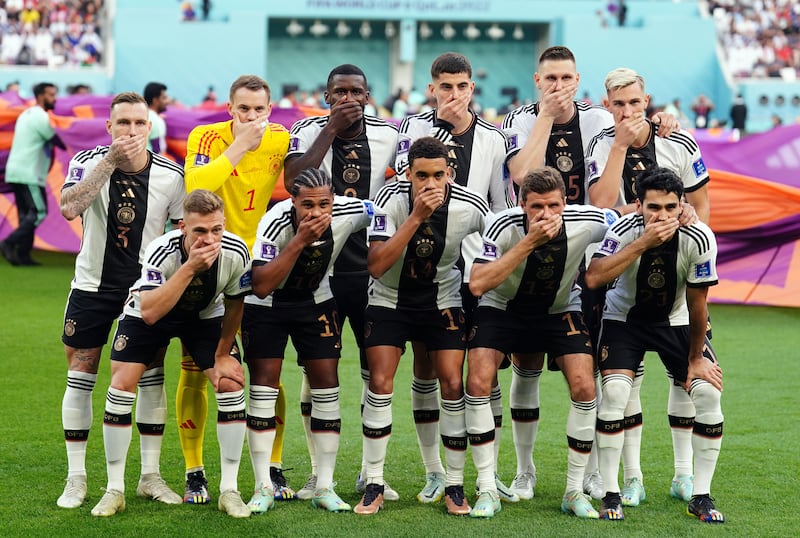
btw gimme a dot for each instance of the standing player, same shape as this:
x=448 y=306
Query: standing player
x=26 y=172
x=297 y=246
x=357 y=152
x=240 y=160
x=155 y=93
x=124 y=195
x=415 y=242
x=555 y=131
x=661 y=273
x=476 y=155
x=526 y=279
x=185 y=274
x=628 y=151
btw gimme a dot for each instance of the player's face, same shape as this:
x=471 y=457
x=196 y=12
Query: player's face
x=248 y=105
x=558 y=73
x=313 y=202
x=49 y=98
x=347 y=87
x=450 y=86
x=665 y=205
x=428 y=174
x=128 y=119
x=207 y=228
x=627 y=102
x=161 y=102
x=548 y=203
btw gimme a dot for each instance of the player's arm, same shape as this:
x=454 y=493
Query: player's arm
x=384 y=254
x=532 y=153
x=226 y=366
x=156 y=303
x=267 y=277
x=699 y=201
x=699 y=366
x=78 y=197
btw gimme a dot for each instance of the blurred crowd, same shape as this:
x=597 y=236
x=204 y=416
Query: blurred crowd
x=51 y=32
x=761 y=37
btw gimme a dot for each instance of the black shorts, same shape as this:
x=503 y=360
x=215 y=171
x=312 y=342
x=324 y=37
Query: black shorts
x=315 y=331
x=89 y=316
x=436 y=329
x=554 y=334
x=136 y=341
x=350 y=293
x=623 y=345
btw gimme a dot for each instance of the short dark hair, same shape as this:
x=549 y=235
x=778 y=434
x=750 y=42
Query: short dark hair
x=557 y=53
x=659 y=179
x=251 y=82
x=346 y=69
x=541 y=181
x=42 y=87
x=153 y=90
x=451 y=63
x=203 y=202
x=310 y=178
x=426 y=147
x=127 y=97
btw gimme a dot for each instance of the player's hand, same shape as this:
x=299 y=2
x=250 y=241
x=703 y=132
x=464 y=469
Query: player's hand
x=702 y=368
x=311 y=228
x=226 y=368
x=202 y=255
x=455 y=108
x=427 y=200
x=543 y=229
x=557 y=101
x=626 y=130
x=667 y=124
x=126 y=148
x=344 y=113
x=688 y=215
x=657 y=232
x=250 y=132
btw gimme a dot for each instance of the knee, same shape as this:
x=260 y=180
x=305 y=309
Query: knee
x=478 y=385
x=452 y=387
x=706 y=398
x=582 y=388
x=228 y=385
x=616 y=391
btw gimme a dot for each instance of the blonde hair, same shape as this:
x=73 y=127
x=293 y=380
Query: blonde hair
x=622 y=77
x=202 y=202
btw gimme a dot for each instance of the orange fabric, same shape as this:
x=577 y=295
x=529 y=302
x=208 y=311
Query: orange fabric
x=740 y=202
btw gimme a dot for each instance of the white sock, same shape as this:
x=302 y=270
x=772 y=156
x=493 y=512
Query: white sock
x=151 y=417
x=632 y=446
x=610 y=428
x=524 y=401
x=305 y=412
x=496 y=402
x=454 y=437
x=425 y=405
x=76 y=418
x=581 y=421
x=326 y=423
x=480 y=430
x=117 y=432
x=707 y=437
x=680 y=412
x=261 y=430
x=376 y=431
x=231 y=427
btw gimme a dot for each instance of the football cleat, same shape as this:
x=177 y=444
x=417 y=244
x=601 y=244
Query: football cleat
x=371 y=502
x=503 y=491
x=113 y=501
x=230 y=502
x=74 y=492
x=523 y=485
x=279 y=485
x=632 y=492
x=611 y=507
x=593 y=485
x=307 y=491
x=702 y=507
x=433 y=490
x=196 y=488
x=578 y=503
x=682 y=487
x=389 y=494
x=152 y=486
x=327 y=499
x=487 y=505
x=455 y=501
x=263 y=499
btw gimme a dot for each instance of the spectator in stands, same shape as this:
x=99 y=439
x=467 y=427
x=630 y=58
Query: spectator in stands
x=738 y=117
x=674 y=108
x=702 y=108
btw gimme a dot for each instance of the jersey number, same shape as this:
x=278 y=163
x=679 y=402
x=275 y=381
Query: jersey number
x=123 y=239
x=252 y=194
x=574 y=189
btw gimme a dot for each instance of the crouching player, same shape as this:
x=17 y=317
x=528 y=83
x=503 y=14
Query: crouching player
x=530 y=306
x=185 y=274
x=297 y=243
x=661 y=273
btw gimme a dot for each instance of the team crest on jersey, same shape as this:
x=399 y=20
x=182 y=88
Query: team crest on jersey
x=609 y=246
x=69 y=327
x=512 y=142
x=379 y=223
x=403 y=145
x=246 y=280
x=294 y=143
x=268 y=252
x=603 y=353
x=121 y=342
x=351 y=174
x=200 y=159
x=155 y=276
x=76 y=174
x=489 y=251
x=699 y=167
x=126 y=214
x=702 y=270
x=564 y=162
